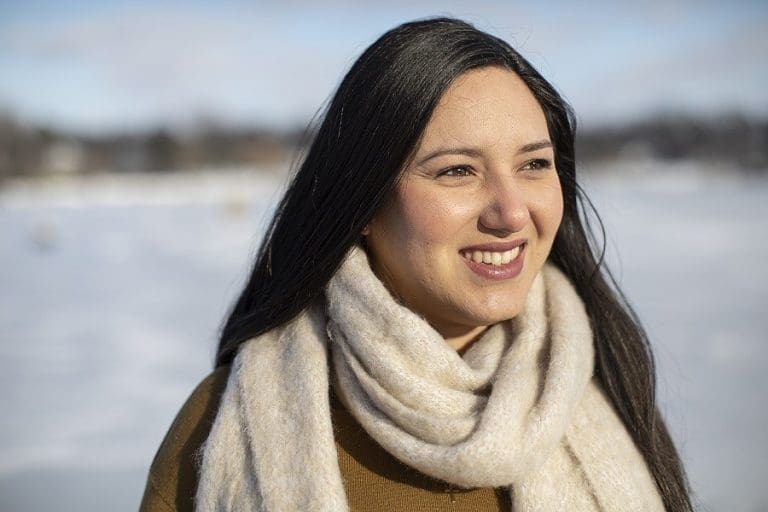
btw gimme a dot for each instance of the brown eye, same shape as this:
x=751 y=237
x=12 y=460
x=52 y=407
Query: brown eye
x=537 y=165
x=456 y=172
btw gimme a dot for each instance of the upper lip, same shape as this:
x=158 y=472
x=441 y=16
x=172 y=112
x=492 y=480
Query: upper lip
x=496 y=246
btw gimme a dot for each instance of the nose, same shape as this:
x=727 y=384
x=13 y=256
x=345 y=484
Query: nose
x=506 y=210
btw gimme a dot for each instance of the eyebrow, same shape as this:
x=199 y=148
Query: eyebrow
x=474 y=152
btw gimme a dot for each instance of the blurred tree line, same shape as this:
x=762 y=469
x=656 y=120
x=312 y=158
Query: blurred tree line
x=731 y=139
x=28 y=150
x=735 y=140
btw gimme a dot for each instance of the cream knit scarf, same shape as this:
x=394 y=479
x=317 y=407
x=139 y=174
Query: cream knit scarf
x=518 y=409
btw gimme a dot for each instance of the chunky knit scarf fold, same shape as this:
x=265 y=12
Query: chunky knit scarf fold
x=519 y=409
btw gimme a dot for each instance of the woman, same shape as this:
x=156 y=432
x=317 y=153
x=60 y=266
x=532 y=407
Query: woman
x=426 y=326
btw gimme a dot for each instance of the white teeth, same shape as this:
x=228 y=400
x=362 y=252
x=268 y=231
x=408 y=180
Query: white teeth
x=491 y=257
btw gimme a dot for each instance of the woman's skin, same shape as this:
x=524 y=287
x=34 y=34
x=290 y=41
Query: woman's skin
x=482 y=180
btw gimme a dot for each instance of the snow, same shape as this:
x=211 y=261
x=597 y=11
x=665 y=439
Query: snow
x=113 y=288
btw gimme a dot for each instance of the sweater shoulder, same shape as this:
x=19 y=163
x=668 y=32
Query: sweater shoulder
x=172 y=480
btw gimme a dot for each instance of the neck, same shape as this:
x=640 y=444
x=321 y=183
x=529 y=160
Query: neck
x=460 y=338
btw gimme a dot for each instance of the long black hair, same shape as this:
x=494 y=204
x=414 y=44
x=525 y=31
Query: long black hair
x=370 y=129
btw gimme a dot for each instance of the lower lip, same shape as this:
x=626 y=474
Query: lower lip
x=498 y=272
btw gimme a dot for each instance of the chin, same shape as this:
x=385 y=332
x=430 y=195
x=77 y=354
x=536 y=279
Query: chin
x=500 y=316
x=503 y=305
x=488 y=314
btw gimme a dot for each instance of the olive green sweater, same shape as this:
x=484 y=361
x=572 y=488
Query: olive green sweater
x=374 y=480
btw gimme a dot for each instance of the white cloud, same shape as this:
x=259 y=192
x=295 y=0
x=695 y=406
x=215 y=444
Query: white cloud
x=279 y=62
x=178 y=64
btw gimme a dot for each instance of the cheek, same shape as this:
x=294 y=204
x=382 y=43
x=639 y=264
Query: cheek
x=427 y=218
x=547 y=210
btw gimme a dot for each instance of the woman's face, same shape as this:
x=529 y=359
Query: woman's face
x=474 y=217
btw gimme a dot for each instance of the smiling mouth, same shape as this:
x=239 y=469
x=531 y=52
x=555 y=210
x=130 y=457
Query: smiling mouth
x=494 y=258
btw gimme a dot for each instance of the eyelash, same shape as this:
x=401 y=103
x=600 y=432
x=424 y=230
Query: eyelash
x=448 y=172
x=538 y=164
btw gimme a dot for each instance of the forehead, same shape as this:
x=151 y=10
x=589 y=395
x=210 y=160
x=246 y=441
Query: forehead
x=483 y=107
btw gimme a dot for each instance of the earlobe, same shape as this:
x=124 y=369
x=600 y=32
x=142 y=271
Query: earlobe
x=366 y=230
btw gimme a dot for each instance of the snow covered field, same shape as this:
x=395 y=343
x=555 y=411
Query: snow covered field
x=112 y=290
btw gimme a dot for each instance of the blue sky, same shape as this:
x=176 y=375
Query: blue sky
x=120 y=65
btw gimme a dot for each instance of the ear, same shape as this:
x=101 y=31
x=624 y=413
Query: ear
x=366 y=230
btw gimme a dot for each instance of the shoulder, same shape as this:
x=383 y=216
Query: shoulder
x=172 y=480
